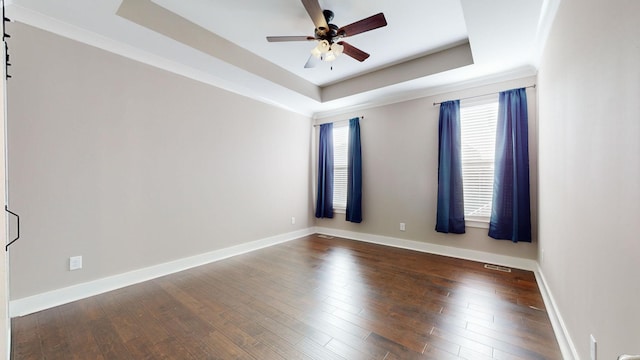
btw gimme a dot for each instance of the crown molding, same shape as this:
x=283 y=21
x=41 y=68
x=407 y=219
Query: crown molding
x=433 y=91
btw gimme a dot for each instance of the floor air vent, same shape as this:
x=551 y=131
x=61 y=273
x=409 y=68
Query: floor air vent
x=497 y=268
x=325 y=236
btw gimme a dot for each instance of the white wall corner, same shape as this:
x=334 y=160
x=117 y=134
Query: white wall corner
x=567 y=346
x=39 y=302
x=547 y=16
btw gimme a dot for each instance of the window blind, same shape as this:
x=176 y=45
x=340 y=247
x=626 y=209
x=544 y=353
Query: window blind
x=478 y=135
x=340 y=153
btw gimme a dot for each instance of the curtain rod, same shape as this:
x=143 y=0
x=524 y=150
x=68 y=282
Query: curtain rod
x=331 y=122
x=472 y=97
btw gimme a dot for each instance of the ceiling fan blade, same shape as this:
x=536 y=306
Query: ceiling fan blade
x=315 y=12
x=354 y=52
x=289 y=38
x=370 y=23
x=312 y=62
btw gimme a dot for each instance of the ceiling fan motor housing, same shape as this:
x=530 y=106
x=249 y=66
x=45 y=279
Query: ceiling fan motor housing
x=331 y=32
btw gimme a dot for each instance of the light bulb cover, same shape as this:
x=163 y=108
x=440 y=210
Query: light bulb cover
x=323 y=46
x=330 y=56
x=337 y=49
x=315 y=52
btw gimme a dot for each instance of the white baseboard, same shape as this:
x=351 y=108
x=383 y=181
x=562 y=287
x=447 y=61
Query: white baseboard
x=567 y=346
x=35 y=303
x=474 y=255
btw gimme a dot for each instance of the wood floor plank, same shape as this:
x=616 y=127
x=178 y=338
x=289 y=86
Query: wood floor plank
x=283 y=348
x=352 y=353
x=396 y=350
x=54 y=343
x=80 y=323
x=309 y=299
x=25 y=338
x=107 y=340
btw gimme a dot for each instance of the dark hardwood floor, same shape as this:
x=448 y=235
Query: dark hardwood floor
x=311 y=298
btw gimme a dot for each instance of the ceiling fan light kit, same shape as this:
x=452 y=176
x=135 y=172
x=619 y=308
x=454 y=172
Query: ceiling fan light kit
x=329 y=36
x=327 y=52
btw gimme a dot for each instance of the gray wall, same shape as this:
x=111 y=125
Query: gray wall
x=131 y=166
x=589 y=108
x=400 y=173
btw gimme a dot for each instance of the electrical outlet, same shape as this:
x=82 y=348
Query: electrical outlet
x=402 y=227
x=293 y=220
x=594 y=348
x=75 y=263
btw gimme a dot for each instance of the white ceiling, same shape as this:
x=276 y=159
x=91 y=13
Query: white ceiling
x=427 y=46
x=246 y=23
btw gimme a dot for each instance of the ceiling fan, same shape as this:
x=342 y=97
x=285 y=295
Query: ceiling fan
x=329 y=35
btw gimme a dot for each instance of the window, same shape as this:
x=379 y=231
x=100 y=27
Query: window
x=340 y=153
x=478 y=121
